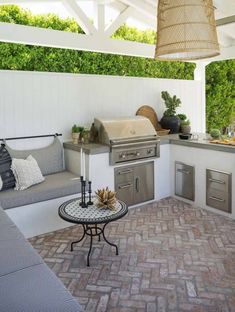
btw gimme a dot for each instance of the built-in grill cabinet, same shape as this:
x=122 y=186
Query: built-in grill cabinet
x=135 y=184
x=218 y=189
x=184 y=180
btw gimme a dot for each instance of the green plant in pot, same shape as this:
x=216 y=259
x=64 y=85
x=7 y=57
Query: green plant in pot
x=75 y=134
x=185 y=126
x=85 y=136
x=170 y=120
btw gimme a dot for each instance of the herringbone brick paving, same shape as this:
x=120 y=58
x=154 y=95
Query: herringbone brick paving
x=172 y=257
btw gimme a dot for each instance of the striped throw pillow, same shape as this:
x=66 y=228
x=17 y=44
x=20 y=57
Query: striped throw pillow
x=7 y=179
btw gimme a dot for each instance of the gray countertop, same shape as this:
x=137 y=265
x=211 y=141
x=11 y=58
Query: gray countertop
x=202 y=142
x=91 y=148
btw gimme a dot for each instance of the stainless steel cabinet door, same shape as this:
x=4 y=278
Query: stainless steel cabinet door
x=144 y=182
x=135 y=184
x=184 y=180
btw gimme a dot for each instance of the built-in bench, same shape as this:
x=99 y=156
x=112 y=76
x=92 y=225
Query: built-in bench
x=55 y=185
x=26 y=283
x=34 y=210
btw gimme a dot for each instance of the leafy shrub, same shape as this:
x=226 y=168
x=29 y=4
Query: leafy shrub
x=35 y=58
x=220 y=83
x=220 y=94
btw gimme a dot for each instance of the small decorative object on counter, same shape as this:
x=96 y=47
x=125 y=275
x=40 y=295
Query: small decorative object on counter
x=85 y=136
x=185 y=126
x=75 y=134
x=185 y=136
x=106 y=198
x=170 y=120
x=184 y=123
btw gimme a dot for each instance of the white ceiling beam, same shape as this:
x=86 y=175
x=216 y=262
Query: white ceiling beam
x=225 y=21
x=117 y=5
x=83 y=21
x=59 y=39
x=99 y=16
x=119 y=21
x=143 y=7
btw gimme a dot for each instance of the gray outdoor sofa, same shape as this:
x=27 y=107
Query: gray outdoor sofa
x=58 y=181
x=26 y=283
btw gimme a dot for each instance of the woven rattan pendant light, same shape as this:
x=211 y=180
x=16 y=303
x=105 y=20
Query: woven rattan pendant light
x=186 y=30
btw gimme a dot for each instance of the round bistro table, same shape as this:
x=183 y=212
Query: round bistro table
x=93 y=220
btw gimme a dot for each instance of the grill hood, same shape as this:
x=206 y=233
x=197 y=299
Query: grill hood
x=128 y=129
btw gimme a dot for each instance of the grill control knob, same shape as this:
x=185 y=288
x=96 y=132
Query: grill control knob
x=123 y=156
x=149 y=151
x=137 y=154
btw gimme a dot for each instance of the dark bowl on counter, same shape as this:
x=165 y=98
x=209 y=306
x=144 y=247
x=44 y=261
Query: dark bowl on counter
x=185 y=136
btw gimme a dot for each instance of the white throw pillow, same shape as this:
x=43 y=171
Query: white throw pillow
x=26 y=172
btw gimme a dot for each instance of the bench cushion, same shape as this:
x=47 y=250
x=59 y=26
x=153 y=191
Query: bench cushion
x=50 y=158
x=35 y=289
x=55 y=186
x=26 y=283
x=16 y=252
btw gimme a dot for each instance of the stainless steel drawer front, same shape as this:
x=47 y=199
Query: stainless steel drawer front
x=218 y=190
x=184 y=181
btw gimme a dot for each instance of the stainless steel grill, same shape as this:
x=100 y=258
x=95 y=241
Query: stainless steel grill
x=129 y=138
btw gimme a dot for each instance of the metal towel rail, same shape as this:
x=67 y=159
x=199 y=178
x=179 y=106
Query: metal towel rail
x=32 y=137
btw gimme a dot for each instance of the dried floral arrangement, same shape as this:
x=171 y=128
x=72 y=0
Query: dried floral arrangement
x=106 y=198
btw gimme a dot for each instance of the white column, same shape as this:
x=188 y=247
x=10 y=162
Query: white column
x=200 y=75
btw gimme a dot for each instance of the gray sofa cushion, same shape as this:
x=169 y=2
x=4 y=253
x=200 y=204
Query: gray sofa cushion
x=55 y=185
x=26 y=283
x=35 y=289
x=49 y=158
x=15 y=252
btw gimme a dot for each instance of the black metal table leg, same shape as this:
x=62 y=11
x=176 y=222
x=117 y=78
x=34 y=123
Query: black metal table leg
x=89 y=252
x=96 y=232
x=111 y=244
x=84 y=233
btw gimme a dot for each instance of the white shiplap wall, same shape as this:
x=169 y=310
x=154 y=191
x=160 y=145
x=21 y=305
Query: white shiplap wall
x=33 y=103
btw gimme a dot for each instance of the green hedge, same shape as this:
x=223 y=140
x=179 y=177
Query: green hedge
x=220 y=75
x=32 y=58
x=220 y=94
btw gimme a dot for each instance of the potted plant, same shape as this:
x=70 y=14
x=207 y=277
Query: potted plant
x=85 y=135
x=75 y=134
x=215 y=133
x=170 y=120
x=185 y=126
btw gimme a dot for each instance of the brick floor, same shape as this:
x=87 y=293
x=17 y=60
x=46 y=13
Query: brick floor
x=172 y=257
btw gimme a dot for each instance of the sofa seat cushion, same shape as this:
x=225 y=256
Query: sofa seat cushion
x=35 y=289
x=55 y=186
